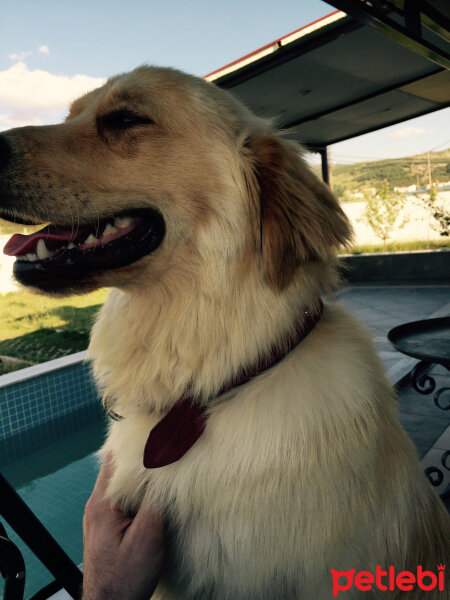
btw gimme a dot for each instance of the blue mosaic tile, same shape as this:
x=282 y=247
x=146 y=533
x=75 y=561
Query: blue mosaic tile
x=27 y=405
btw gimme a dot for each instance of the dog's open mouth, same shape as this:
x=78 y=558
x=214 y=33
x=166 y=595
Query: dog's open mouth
x=65 y=252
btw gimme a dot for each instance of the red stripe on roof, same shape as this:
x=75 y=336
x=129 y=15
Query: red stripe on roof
x=278 y=41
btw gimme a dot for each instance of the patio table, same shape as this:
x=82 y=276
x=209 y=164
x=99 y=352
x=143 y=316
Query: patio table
x=429 y=342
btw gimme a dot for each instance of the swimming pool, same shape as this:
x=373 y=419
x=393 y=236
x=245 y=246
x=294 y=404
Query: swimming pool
x=51 y=424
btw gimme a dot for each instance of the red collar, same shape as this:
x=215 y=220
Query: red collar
x=178 y=431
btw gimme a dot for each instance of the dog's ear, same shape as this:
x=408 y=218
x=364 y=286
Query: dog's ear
x=300 y=218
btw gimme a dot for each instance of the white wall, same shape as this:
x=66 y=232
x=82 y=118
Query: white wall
x=6 y=264
x=419 y=226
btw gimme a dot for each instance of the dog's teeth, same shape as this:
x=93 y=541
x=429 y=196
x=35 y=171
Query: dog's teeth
x=31 y=256
x=123 y=221
x=91 y=240
x=109 y=230
x=42 y=250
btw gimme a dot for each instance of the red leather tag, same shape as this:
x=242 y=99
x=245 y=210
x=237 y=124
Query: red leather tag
x=172 y=437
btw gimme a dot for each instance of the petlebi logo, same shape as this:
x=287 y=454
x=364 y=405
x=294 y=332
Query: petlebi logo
x=388 y=580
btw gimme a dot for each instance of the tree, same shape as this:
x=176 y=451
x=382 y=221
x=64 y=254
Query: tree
x=339 y=191
x=437 y=209
x=383 y=212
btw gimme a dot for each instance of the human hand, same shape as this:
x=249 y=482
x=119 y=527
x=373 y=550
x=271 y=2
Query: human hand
x=122 y=558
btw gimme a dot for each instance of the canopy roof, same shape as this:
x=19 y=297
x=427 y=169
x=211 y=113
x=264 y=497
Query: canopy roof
x=338 y=78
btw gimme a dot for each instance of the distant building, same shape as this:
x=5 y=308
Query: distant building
x=362 y=195
x=357 y=196
x=405 y=189
x=414 y=189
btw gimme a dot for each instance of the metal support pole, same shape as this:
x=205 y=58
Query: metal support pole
x=325 y=167
x=28 y=527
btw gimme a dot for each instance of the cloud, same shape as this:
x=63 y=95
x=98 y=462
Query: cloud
x=36 y=96
x=21 y=56
x=18 y=119
x=406 y=132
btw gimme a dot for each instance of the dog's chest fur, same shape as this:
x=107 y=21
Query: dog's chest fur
x=249 y=507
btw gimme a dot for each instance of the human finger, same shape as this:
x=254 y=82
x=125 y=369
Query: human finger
x=147 y=528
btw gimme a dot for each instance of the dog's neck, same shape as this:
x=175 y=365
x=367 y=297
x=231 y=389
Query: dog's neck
x=150 y=350
x=185 y=422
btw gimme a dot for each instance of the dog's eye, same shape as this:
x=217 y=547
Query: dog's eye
x=120 y=120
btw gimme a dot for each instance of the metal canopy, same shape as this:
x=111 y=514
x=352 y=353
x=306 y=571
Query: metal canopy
x=340 y=77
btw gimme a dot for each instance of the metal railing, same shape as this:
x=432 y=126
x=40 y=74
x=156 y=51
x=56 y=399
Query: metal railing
x=28 y=527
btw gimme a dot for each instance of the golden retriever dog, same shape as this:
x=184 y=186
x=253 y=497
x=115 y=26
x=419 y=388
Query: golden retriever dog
x=259 y=421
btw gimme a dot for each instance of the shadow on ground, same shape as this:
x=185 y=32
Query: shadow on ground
x=49 y=343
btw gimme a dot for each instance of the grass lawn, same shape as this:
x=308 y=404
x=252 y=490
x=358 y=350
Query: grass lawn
x=441 y=244
x=38 y=328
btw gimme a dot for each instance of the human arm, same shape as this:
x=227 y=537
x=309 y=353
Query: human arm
x=122 y=558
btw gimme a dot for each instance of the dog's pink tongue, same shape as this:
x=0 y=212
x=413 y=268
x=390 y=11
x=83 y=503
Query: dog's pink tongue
x=22 y=244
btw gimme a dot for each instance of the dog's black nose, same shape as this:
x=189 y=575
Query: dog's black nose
x=5 y=152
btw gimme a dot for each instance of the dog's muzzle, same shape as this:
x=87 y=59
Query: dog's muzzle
x=58 y=257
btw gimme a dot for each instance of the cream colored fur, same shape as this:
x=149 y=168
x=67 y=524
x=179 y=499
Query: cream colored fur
x=301 y=470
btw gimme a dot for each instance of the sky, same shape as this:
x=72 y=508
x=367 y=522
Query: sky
x=52 y=51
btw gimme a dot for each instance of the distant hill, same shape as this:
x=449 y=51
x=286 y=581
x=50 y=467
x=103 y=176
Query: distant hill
x=397 y=171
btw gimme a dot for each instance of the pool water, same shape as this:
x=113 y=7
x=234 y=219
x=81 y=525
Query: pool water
x=55 y=481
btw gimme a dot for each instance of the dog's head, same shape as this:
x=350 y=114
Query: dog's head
x=154 y=166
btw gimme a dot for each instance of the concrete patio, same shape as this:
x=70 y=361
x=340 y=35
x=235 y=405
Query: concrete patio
x=382 y=307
